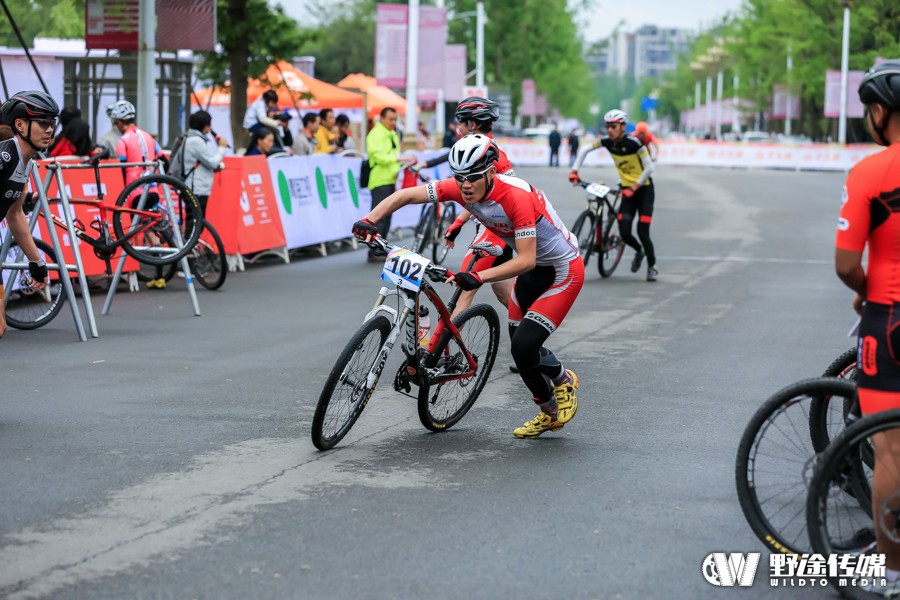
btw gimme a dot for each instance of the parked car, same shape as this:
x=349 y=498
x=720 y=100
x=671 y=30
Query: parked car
x=756 y=137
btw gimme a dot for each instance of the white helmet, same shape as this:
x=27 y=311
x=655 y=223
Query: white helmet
x=473 y=153
x=615 y=116
x=121 y=110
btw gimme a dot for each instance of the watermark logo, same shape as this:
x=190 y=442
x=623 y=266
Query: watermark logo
x=730 y=569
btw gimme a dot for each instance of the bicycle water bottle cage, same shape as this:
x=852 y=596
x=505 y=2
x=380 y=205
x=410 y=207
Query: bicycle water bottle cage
x=487 y=248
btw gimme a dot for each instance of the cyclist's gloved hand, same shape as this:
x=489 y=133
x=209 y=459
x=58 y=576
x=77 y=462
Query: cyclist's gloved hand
x=467 y=281
x=38 y=270
x=627 y=192
x=453 y=231
x=365 y=230
x=574 y=178
x=417 y=167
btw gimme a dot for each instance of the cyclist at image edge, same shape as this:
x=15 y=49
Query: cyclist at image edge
x=477 y=115
x=869 y=216
x=645 y=136
x=32 y=116
x=547 y=268
x=633 y=163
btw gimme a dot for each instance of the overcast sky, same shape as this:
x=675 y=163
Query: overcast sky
x=599 y=23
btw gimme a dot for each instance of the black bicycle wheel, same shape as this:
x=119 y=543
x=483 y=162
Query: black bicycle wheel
x=26 y=308
x=346 y=390
x=150 y=247
x=611 y=244
x=775 y=460
x=442 y=405
x=584 y=231
x=839 y=509
x=825 y=419
x=147 y=273
x=207 y=260
x=423 y=230
x=439 y=249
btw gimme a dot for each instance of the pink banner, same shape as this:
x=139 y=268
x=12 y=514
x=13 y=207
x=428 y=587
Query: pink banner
x=780 y=98
x=432 y=46
x=454 y=71
x=855 y=108
x=390 y=44
x=540 y=105
x=529 y=102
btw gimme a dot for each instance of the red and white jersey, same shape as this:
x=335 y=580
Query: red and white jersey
x=502 y=164
x=514 y=209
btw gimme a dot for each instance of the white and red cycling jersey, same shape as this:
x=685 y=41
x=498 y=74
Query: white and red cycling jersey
x=513 y=209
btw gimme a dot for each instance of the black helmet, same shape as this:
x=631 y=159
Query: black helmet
x=29 y=105
x=882 y=84
x=478 y=109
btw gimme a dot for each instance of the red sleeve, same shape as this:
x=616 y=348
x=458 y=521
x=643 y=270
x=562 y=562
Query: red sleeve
x=855 y=219
x=64 y=148
x=502 y=165
x=443 y=191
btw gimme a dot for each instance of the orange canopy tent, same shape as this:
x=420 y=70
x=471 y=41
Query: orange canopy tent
x=378 y=97
x=292 y=85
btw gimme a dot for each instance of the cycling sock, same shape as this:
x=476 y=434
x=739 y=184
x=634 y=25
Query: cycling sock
x=549 y=407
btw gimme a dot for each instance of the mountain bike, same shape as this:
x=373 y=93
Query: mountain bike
x=778 y=451
x=599 y=221
x=25 y=307
x=450 y=371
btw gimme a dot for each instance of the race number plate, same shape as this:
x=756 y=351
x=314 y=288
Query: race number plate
x=404 y=268
x=598 y=189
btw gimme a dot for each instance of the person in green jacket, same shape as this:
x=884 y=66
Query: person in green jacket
x=383 y=147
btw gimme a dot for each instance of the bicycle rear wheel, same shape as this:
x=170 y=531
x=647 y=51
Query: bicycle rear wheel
x=775 y=460
x=423 y=230
x=826 y=420
x=444 y=404
x=584 y=231
x=26 y=308
x=611 y=244
x=439 y=250
x=152 y=246
x=346 y=390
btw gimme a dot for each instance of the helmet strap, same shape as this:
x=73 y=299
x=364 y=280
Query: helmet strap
x=881 y=129
x=27 y=138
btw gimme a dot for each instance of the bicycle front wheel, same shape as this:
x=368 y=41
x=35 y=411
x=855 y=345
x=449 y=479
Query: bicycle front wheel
x=207 y=260
x=775 y=460
x=826 y=419
x=443 y=404
x=154 y=243
x=439 y=249
x=611 y=244
x=347 y=388
x=584 y=232
x=26 y=308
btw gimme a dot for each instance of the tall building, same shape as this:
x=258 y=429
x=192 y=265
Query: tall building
x=648 y=52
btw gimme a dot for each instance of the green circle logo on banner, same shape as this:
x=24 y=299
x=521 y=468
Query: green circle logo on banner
x=323 y=192
x=351 y=182
x=285 y=190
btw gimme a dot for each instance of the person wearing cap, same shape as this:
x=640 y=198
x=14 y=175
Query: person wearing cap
x=645 y=136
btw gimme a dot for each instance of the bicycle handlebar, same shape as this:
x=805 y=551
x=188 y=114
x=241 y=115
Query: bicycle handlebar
x=435 y=272
x=97 y=157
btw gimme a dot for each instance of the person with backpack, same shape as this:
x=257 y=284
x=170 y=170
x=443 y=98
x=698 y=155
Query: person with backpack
x=193 y=162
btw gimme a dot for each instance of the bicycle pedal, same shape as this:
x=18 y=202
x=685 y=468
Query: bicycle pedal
x=401 y=380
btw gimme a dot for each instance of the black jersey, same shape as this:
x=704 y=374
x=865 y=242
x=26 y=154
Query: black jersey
x=627 y=154
x=13 y=175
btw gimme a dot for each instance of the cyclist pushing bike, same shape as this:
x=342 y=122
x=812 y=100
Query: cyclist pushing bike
x=32 y=116
x=633 y=163
x=548 y=271
x=477 y=115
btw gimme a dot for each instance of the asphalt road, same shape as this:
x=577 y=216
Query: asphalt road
x=170 y=458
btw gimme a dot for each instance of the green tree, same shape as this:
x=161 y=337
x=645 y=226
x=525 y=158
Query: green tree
x=252 y=35
x=344 y=41
x=42 y=18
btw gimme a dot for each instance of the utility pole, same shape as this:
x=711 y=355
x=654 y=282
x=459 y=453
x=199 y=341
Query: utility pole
x=412 y=72
x=146 y=67
x=845 y=59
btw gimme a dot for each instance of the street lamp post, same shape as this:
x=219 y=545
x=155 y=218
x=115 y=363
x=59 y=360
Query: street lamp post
x=146 y=67
x=412 y=71
x=790 y=97
x=845 y=59
x=480 y=19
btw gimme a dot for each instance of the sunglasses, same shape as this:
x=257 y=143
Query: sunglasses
x=45 y=124
x=612 y=125
x=470 y=177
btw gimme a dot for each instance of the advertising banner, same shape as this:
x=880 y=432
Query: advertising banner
x=855 y=108
x=259 y=225
x=391 y=39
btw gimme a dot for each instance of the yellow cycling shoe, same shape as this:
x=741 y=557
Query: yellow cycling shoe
x=566 y=399
x=538 y=425
x=157 y=284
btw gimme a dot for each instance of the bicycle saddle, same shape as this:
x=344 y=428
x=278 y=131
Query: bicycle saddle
x=488 y=248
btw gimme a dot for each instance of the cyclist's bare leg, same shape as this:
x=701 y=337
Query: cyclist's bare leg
x=885 y=484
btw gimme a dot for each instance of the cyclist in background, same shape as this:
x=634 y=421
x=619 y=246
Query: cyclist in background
x=547 y=268
x=633 y=163
x=32 y=116
x=645 y=136
x=135 y=146
x=869 y=216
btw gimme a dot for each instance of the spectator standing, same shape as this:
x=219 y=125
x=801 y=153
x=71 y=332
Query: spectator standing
x=573 y=147
x=450 y=135
x=199 y=162
x=306 y=140
x=555 y=141
x=425 y=142
x=383 y=147
x=345 y=140
x=74 y=140
x=326 y=140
